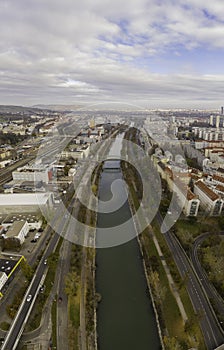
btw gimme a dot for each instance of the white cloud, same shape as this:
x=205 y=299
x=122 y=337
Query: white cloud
x=103 y=49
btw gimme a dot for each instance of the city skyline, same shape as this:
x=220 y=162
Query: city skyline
x=155 y=54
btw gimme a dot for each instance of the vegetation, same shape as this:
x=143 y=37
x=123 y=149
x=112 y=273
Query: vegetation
x=176 y=335
x=11 y=138
x=4 y=326
x=11 y=243
x=36 y=314
x=188 y=228
x=212 y=259
x=17 y=300
x=54 y=322
x=72 y=290
x=27 y=270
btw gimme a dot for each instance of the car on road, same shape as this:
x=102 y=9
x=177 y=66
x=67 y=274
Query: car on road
x=29 y=297
x=42 y=289
x=45 y=262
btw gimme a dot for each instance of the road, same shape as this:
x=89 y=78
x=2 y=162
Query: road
x=16 y=329
x=15 y=334
x=62 y=307
x=207 y=285
x=211 y=329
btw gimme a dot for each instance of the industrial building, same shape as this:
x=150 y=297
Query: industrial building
x=18 y=231
x=25 y=202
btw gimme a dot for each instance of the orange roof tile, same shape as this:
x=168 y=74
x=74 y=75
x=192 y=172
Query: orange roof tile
x=203 y=187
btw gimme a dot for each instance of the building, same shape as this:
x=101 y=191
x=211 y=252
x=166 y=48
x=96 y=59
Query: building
x=3 y=279
x=211 y=120
x=32 y=174
x=210 y=201
x=25 y=202
x=186 y=198
x=217 y=124
x=178 y=184
x=18 y=231
x=34 y=221
x=76 y=152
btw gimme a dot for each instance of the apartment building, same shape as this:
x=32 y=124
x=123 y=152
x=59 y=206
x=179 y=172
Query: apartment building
x=210 y=201
x=178 y=184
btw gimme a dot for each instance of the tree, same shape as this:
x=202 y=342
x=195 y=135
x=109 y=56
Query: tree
x=11 y=243
x=159 y=291
x=26 y=269
x=172 y=343
x=71 y=283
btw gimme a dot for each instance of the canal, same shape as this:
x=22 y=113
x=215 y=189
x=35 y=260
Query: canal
x=125 y=316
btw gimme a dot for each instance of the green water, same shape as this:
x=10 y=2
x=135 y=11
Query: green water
x=125 y=316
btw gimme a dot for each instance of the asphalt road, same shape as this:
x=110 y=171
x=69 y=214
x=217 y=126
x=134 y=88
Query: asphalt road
x=211 y=329
x=18 y=326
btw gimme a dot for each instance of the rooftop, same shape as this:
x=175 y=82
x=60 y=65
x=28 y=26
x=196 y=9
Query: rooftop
x=15 y=229
x=204 y=188
x=16 y=199
x=220 y=188
x=218 y=178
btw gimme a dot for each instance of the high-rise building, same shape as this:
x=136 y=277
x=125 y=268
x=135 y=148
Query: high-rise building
x=217 y=124
x=221 y=110
x=211 y=120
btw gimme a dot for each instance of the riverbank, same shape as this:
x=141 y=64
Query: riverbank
x=170 y=299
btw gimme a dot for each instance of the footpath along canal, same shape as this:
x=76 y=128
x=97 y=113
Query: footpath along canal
x=125 y=315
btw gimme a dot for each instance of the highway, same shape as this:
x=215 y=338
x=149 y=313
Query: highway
x=18 y=326
x=207 y=285
x=211 y=329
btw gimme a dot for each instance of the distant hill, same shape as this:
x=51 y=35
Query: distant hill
x=58 y=107
x=19 y=109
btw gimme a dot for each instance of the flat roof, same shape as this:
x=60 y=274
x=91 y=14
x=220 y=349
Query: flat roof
x=15 y=229
x=6 y=265
x=16 y=199
x=29 y=217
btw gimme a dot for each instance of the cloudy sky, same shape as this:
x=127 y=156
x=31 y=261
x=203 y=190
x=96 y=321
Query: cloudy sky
x=153 y=53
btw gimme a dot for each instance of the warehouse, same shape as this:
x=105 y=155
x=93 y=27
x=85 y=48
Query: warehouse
x=25 y=202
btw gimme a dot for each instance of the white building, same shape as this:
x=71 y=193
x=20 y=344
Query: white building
x=3 y=279
x=179 y=185
x=32 y=174
x=186 y=198
x=25 y=202
x=210 y=200
x=18 y=230
x=76 y=153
